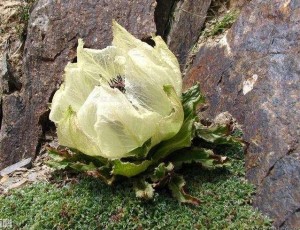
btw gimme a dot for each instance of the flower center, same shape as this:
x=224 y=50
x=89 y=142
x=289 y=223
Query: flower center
x=118 y=83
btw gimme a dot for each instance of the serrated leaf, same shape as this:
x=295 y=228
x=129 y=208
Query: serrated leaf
x=161 y=171
x=59 y=159
x=57 y=164
x=143 y=189
x=191 y=98
x=57 y=155
x=141 y=152
x=216 y=135
x=103 y=173
x=197 y=155
x=176 y=185
x=74 y=155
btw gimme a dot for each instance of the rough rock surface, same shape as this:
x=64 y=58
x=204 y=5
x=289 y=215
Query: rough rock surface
x=237 y=3
x=53 y=31
x=163 y=12
x=254 y=73
x=188 y=19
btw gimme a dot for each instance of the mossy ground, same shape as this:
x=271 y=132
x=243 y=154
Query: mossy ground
x=90 y=204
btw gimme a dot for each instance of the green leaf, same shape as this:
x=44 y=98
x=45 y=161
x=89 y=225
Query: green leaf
x=198 y=155
x=161 y=171
x=93 y=166
x=97 y=160
x=72 y=158
x=141 y=152
x=183 y=138
x=191 y=98
x=58 y=164
x=81 y=167
x=143 y=189
x=217 y=135
x=176 y=185
x=58 y=155
x=59 y=159
x=103 y=173
x=129 y=169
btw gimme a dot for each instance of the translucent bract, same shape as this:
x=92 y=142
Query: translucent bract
x=98 y=119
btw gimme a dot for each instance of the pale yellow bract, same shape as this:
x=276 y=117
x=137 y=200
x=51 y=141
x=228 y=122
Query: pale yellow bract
x=99 y=120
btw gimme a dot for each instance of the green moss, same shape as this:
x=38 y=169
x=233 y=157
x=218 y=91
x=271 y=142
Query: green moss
x=220 y=25
x=23 y=15
x=90 y=204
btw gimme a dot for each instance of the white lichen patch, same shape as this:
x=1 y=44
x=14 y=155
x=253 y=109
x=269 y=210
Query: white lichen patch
x=224 y=42
x=249 y=84
x=42 y=23
x=285 y=8
x=287 y=3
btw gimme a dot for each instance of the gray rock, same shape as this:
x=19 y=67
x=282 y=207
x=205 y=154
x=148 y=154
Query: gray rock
x=285 y=174
x=53 y=31
x=14 y=167
x=188 y=19
x=254 y=73
x=4 y=75
x=237 y=3
x=8 y=82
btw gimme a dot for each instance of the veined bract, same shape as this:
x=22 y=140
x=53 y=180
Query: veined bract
x=93 y=115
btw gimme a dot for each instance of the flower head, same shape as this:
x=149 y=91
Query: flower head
x=119 y=101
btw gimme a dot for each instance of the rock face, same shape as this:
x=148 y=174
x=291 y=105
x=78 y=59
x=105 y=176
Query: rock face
x=163 y=11
x=254 y=73
x=180 y=24
x=53 y=31
x=188 y=19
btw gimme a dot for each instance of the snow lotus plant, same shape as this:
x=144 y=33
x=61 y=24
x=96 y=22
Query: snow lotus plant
x=121 y=113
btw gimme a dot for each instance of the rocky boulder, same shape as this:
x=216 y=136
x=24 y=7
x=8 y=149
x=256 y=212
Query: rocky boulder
x=185 y=27
x=180 y=24
x=254 y=73
x=53 y=31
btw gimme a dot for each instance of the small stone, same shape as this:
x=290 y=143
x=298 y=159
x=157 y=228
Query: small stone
x=4 y=179
x=224 y=118
x=15 y=167
x=32 y=176
x=17 y=184
x=38 y=164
